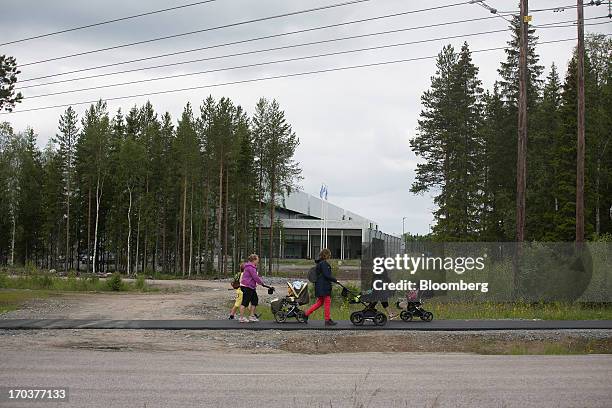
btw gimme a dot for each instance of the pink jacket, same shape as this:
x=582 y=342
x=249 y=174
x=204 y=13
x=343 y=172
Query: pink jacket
x=250 y=278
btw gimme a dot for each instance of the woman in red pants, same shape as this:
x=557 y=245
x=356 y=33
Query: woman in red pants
x=323 y=288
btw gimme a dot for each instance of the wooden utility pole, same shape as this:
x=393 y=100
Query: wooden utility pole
x=521 y=160
x=580 y=141
x=521 y=156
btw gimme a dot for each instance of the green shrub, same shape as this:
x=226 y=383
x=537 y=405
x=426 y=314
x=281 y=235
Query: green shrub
x=44 y=281
x=30 y=268
x=4 y=281
x=140 y=282
x=115 y=283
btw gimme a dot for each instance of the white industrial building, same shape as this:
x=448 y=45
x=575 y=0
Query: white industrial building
x=301 y=215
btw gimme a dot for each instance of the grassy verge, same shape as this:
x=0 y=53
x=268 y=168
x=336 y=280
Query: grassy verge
x=12 y=299
x=43 y=281
x=449 y=311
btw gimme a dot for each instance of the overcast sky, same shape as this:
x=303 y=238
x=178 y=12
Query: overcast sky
x=354 y=126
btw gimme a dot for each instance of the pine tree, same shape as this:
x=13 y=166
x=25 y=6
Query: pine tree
x=282 y=173
x=599 y=112
x=67 y=141
x=187 y=148
x=8 y=80
x=29 y=213
x=53 y=206
x=497 y=224
x=8 y=192
x=94 y=163
x=543 y=148
x=450 y=141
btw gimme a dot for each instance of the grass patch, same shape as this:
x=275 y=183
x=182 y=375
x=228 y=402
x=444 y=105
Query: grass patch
x=341 y=310
x=12 y=299
x=518 y=310
x=72 y=283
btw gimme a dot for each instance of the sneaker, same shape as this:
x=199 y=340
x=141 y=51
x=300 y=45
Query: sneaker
x=243 y=320
x=231 y=317
x=253 y=319
x=330 y=322
x=257 y=315
x=305 y=319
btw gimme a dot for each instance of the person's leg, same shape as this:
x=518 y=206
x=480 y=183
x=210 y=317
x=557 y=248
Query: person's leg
x=327 y=308
x=385 y=306
x=246 y=298
x=254 y=303
x=237 y=303
x=315 y=306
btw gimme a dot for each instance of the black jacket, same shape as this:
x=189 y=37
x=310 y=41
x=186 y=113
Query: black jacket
x=324 y=279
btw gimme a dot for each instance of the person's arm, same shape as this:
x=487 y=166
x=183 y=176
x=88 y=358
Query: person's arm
x=327 y=272
x=255 y=276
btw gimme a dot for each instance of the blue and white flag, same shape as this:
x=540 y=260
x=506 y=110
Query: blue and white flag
x=323 y=192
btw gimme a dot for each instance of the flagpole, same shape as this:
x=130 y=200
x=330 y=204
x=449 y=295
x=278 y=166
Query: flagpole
x=326 y=213
x=326 y=209
x=322 y=219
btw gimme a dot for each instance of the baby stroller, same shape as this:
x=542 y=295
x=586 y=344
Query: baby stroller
x=369 y=311
x=289 y=306
x=413 y=307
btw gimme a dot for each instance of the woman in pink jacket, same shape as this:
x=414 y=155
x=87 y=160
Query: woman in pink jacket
x=248 y=285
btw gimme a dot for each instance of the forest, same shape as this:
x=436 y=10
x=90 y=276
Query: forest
x=137 y=192
x=467 y=142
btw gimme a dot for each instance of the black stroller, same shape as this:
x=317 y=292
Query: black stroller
x=289 y=306
x=413 y=307
x=369 y=312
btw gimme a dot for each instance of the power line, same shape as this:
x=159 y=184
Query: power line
x=293 y=13
x=107 y=22
x=269 y=63
x=253 y=52
x=320 y=71
x=548 y=25
x=254 y=39
x=242 y=41
x=573 y=23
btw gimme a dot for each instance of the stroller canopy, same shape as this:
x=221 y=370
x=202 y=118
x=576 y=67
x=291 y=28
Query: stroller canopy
x=299 y=290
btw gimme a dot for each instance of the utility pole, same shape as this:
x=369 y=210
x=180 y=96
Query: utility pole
x=521 y=161
x=521 y=157
x=580 y=141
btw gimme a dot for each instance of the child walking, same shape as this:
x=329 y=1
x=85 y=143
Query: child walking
x=238 y=300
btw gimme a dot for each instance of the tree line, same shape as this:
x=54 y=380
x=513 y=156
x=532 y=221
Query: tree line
x=138 y=192
x=467 y=140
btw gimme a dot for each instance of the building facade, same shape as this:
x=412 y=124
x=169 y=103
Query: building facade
x=302 y=236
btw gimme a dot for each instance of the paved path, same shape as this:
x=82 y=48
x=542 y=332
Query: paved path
x=109 y=379
x=439 y=325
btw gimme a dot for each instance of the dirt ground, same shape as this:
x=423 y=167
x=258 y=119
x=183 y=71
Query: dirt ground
x=209 y=300
x=186 y=300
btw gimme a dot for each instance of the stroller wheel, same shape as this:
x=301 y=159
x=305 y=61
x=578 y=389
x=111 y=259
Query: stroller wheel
x=280 y=316
x=357 y=318
x=380 y=319
x=300 y=316
x=406 y=315
x=427 y=317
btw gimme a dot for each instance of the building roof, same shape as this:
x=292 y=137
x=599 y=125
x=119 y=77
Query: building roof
x=308 y=205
